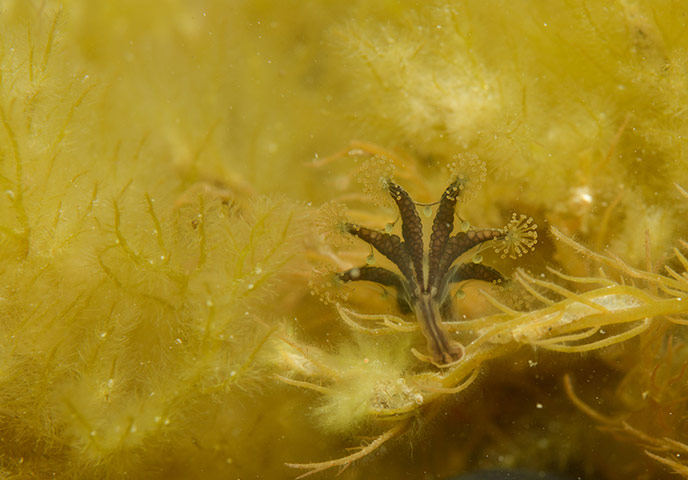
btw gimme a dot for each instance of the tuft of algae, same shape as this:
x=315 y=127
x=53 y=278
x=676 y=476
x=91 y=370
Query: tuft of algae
x=176 y=185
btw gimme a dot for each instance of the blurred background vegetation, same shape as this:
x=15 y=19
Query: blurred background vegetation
x=163 y=165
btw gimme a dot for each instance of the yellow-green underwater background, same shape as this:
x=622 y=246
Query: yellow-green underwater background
x=164 y=277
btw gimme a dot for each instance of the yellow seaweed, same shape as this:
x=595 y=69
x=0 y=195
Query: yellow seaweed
x=169 y=305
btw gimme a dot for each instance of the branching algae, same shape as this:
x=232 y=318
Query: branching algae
x=590 y=314
x=422 y=289
x=144 y=282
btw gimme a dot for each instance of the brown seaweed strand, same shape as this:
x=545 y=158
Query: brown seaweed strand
x=411 y=228
x=442 y=227
x=387 y=244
